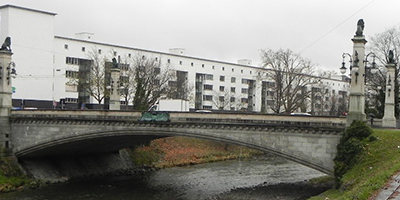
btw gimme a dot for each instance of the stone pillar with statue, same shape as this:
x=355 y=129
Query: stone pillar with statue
x=115 y=98
x=7 y=71
x=389 y=120
x=357 y=87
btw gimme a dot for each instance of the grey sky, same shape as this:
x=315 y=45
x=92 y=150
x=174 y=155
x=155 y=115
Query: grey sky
x=226 y=30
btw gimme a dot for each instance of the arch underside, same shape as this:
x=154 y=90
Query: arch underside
x=111 y=141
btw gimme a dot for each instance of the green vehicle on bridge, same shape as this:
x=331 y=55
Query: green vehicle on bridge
x=155 y=116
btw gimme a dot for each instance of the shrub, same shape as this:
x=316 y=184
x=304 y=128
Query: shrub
x=350 y=148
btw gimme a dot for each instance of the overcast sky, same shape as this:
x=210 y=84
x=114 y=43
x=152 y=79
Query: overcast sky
x=225 y=30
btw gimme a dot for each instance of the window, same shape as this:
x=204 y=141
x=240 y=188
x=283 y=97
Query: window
x=213 y=67
x=180 y=62
x=233 y=89
x=221 y=98
x=271 y=84
x=245 y=90
x=207 y=97
x=209 y=77
x=207 y=107
x=191 y=64
x=270 y=102
x=245 y=81
x=233 y=70
x=241 y=71
x=244 y=100
x=83 y=49
x=172 y=83
x=71 y=100
x=222 y=78
x=233 y=80
x=223 y=68
x=72 y=61
x=115 y=53
x=129 y=55
x=66 y=46
x=208 y=87
x=71 y=74
x=232 y=99
x=143 y=57
x=221 y=88
x=156 y=59
x=157 y=70
x=202 y=65
x=270 y=93
x=99 y=51
x=169 y=60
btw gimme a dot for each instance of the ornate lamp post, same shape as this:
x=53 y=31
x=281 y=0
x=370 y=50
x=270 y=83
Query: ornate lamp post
x=357 y=71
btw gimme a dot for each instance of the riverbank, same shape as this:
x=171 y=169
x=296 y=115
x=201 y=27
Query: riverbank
x=161 y=153
x=380 y=160
x=12 y=178
x=179 y=151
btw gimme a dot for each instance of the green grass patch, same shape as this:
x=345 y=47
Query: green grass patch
x=379 y=161
x=11 y=177
x=177 y=151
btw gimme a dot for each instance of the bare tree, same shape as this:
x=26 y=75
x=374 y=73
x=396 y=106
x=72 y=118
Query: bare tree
x=151 y=79
x=93 y=79
x=227 y=100
x=322 y=99
x=291 y=74
x=381 y=43
x=127 y=83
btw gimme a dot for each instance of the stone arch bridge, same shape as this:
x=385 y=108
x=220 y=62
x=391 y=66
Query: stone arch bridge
x=310 y=141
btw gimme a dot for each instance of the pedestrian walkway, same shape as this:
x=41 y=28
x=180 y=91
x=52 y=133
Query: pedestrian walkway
x=391 y=190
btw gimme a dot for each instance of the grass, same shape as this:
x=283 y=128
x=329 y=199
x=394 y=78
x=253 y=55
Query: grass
x=380 y=160
x=11 y=177
x=176 y=151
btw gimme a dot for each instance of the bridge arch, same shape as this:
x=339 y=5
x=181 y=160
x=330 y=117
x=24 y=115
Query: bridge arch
x=107 y=138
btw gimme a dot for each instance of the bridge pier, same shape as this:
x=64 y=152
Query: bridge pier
x=5 y=101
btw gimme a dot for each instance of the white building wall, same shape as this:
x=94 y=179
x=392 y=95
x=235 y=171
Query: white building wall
x=32 y=35
x=40 y=57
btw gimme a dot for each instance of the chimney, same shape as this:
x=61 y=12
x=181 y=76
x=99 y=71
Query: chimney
x=177 y=51
x=84 y=35
x=244 y=62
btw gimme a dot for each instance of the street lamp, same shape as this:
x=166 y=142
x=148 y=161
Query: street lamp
x=355 y=68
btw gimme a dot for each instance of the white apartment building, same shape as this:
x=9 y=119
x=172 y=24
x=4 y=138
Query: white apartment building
x=46 y=64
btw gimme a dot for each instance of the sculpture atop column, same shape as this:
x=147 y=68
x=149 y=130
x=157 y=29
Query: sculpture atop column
x=6 y=46
x=391 y=57
x=360 y=27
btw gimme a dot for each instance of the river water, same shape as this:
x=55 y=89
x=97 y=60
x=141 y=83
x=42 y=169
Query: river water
x=260 y=178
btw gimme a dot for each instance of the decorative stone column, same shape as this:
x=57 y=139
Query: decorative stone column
x=115 y=98
x=357 y=87
x=5 y=101
x=389 y=120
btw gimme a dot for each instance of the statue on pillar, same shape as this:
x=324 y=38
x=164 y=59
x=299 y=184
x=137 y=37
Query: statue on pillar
x=391 y=57
x=6 y=46
x=114 y=63
x=360 y=27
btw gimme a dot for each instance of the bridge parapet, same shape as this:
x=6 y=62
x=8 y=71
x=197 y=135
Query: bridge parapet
x=184 y=117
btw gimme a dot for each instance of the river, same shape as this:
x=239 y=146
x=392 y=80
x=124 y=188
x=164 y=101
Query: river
x=260 y=178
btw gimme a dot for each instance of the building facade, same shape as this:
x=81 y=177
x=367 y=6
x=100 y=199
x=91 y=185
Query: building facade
x=48 y=66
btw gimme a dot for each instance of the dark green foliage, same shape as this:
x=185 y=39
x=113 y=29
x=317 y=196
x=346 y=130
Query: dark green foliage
x=350 y=148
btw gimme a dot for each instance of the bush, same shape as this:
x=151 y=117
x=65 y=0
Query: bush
x=350 y=148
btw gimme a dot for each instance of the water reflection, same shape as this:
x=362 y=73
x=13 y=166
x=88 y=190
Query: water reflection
x=205 y=181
